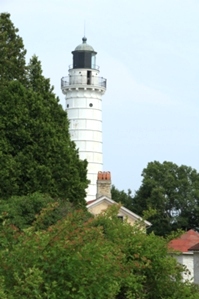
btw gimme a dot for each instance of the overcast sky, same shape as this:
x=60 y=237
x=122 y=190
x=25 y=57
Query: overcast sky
x=149 y=52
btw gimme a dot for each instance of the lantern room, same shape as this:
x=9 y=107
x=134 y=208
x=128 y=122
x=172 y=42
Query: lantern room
x=84 y=56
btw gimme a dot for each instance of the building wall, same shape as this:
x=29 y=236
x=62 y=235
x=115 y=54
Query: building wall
x=96 y=210
x=101 y=207
x=196 y=267
x=186 y=259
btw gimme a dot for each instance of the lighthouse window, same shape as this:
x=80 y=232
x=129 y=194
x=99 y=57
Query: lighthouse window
x=90 y=105
x=67 y=105
x=89 y=77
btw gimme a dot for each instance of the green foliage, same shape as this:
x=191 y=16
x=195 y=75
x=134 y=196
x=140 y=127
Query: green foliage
x=21 y=211
x=83 y=257
x=126 y=199
x=173 y=191
x=36 y=152
x=12 y=53
x=36 y=81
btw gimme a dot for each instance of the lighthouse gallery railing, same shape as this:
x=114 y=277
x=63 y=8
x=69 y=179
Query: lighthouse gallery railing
x=83 y=80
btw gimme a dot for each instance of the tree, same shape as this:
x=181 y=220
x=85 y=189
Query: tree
x=85 y=257
x=12 y=52
x=173 y=191
x=37 y=82
x=22 y=211
x=36 y=152
x=126 y=199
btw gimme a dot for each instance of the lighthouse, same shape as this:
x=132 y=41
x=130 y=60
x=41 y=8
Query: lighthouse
x=83 y=89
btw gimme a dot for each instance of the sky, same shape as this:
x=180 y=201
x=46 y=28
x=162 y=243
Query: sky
x=148 y=50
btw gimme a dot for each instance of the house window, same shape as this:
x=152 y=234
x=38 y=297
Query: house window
x=120 y=217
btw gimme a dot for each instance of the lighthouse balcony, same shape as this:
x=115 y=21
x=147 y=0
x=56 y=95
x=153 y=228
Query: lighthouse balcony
x=81 y=81
x=89 y=66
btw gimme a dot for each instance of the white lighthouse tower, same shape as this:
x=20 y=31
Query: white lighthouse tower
x=83 y=90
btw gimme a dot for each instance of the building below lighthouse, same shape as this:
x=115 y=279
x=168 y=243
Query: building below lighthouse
x=83 y=89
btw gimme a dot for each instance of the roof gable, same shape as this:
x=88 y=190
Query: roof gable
x=194 y=248
x=122 y=210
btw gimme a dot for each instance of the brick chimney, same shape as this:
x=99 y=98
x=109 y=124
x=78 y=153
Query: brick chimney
x=103 y=184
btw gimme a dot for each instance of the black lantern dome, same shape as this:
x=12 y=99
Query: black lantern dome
x=84 y=56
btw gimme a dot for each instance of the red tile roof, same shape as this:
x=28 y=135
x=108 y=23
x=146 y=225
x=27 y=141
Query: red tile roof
x=194 y=248
x=186 y=241
x=90 y=201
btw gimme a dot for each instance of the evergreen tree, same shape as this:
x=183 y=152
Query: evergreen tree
x=12 y=52
x=36 y=81
x=36 y=152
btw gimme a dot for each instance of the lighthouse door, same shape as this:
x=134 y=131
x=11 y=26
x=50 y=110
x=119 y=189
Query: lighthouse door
x=89 y=77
